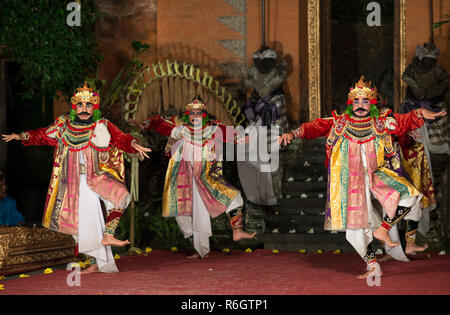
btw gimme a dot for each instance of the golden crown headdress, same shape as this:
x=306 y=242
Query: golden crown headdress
x=362 y=89
x=196 y=104
x=86 y=94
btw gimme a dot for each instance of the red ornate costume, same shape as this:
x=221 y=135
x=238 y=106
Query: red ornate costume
x=87 y=166
x=98 y=143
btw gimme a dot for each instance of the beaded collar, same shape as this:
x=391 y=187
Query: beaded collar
x=201 y=136
x=77 y=136
x=358 y=129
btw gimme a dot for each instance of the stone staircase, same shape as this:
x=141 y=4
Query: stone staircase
x=297 y=221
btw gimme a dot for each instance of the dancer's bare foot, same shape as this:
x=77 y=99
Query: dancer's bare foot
x=375 y=270
x=110 y=240
x=383 y=235
x=194 y=256
x=197 y=256
x=90 y=269
x=412 y=248
x=239 y=234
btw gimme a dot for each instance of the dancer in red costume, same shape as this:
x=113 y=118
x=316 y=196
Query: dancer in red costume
x=194 y=188
x=88 y=166
x=359 y=142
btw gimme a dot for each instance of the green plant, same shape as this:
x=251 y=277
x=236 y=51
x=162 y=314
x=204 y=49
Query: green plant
x=122 y=79
x=52 y=55
x=439 y=24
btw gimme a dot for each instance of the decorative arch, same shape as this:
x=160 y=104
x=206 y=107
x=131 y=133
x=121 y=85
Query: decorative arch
x=164 y=85
x=165 y=88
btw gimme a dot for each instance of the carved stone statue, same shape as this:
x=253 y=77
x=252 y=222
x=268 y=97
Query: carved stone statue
x=266 y=107
x=428 y=84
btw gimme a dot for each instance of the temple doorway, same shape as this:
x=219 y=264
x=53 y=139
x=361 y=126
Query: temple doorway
x=351 y=48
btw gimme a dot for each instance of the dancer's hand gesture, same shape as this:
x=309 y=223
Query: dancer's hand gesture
x=13 y=136
x=135 y=123
x=428 y=114
x=141 y=149
x=285 y=139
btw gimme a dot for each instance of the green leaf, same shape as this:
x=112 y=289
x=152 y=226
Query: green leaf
x=51 y=55
x=139 y=47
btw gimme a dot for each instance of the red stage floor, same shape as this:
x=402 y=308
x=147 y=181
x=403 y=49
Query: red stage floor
x=238 y=273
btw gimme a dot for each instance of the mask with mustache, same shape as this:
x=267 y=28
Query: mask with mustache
x=84 y=121
x=361 y=109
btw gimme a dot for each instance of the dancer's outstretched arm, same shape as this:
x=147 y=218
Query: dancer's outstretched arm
x=414 y=119
x=157 y=123
x=126 y=142
x=318 y=128
x=40 y=136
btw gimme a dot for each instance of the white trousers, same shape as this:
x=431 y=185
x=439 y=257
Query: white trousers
x=199 y=224
x=91 y=225
x=361 y=238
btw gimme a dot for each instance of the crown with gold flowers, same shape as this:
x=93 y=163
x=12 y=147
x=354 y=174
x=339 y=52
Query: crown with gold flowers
x=196 y=104
x=85 y=94
x=364 y=90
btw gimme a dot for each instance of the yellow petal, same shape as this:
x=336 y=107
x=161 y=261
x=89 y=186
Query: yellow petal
x=116 y=256
x=248 y=250
x=2 y=287
x=138 y=251
x=302 y=251
x=24 y=276
x=275 y=251
x=319 y=251
x=2 y=278
x=337 y=251
x=226 y=250
x=148 y=250
x=48 y=270
x=174 y=249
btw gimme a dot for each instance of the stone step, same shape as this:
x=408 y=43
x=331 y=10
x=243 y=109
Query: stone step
x=295 y=205
x=294 y=227
x=299 y=187
x=286 y=229
x=301 y=173
x=316 y=158
x=319 y=238
x=298 y=221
